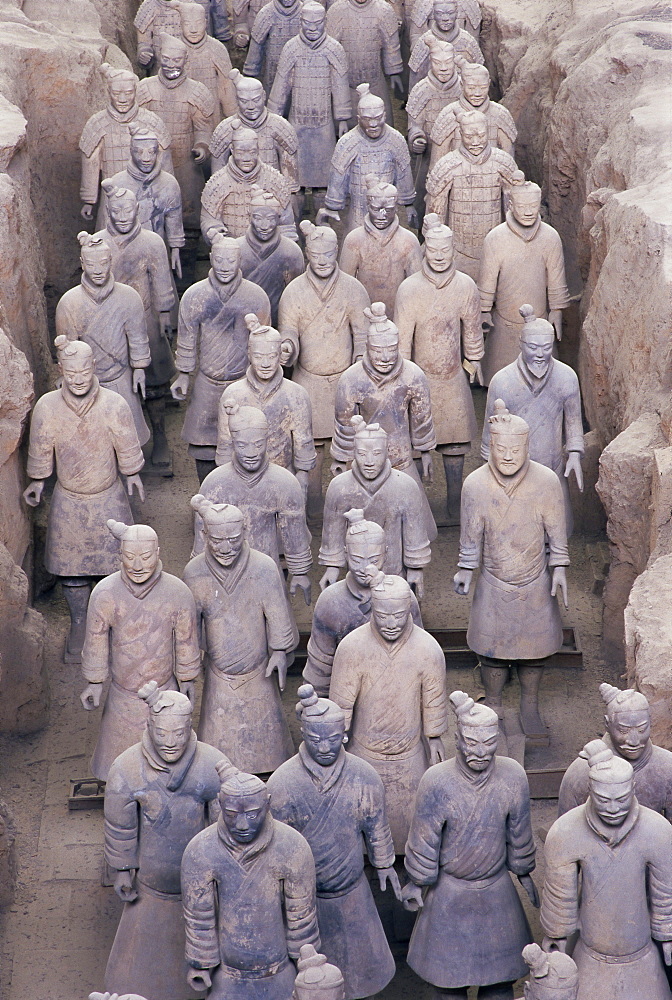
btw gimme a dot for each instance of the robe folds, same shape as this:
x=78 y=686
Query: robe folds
x=136 y=633
x=248 y=909
x=271 y=265
x=92 y=439
x=152 y=811
x=468 y=831
x=334 y=808
x=381 y=259
x=614 y=884
x=394 y=698
x=159 y=202
x=244 y=616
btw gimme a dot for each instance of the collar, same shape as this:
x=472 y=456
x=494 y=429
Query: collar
x=246 y=852
x=382 y=235
x=445 y=36
x=361 y=594
x=124 y=118
x=475 y=778
x=379 y=378
x=261 y=120
x=140 y=590
x=264 y=390
x=260 y=248
x=392 y=648
x=534 y=384
x=324 y=777
x=525 y=233
x=509 y=483
x=178 y=770
x=250 y=478
x=228 y=576
x=312 y=45
x=443 y=87
x=439 y=279
x=196 y=45
x=123 y=239
x=323 y=287
x=171 y=84
x=143 y=178
x=80 y=404
x=611 y=835
x=239 y=176
x=98 y=292
x=372 y=485
x=482 y=157
x=638 y=764
x=468 y=106
x=224 y=291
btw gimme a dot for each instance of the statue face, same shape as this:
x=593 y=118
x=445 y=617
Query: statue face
x=509 y=452
x=244 y=815
x=225 y=541
x=169 y=732
x=313 y=25
x=245 y=154
x=371 y=122
x=96 y=265
x=287 y=3
x=123 y=213
x=144 y=154
x=630 y=732
x=194 y=22
x=362 y=553
x=383 y=351
x=370 y=455
x=322 y=261
x=172 y=64
x=225 y=261
x=251 y=99
x=443 y=66
x=475 y=89
x=139 y=559
x=264 y=358
x=77 y=374
x=525 y=205
x=323 y=739
x=122 y=95
x=439 y=253
x=391 y=616
x=249 y=447
x=537 y=351
x=612 y=800
x=474 y=138
x=264 y=223
x=382 y=210
x=477 y=744
x=444 y=14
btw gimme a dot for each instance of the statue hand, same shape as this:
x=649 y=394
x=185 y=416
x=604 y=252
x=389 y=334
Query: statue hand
x=554 y=944
x=415 y=578
x=90 y=696
x=419 y=144
x=389 y=873
x=180 y=387
x=124 y=887
x=559 y=583
x=324 y=214
x=462 y=581
x=486 y=321
x=329 y=576
x=188 y=688
x=145 y=56
x=667 y=952
x=240 y=39
x=342 y=129
x=427 y=466
x=86 y=212
x=199 y=980
x=555 y=319
x=278 y=661
x=302 y=477
x=336 y=468
x=300 y=583
x=437 y=751
x=286 y=351
x=397 y=86
x=175 y=262
x=531 y=890
x=574 y=465
x=139 y=381
x=477 y=377
x=411 y=897
x=412 y=217
x=33 y=493
x=200 y=152
x=136 y=481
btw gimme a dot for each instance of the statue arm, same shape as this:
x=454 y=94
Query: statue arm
x=560 y=898
x=423 y=437
x=41 y=443
x=187 y=651
x=90 y=179
x=557 y=291
x=439 y=186
x=349 y=259
x=122 y=823
x=416 y=549
x=332 y=549
x=660 y=889
x=125 y=440
x=345 y=682
x=295 y=535
x=338 y=189
x=358 y=322
x=224 y=452
x=303 y=443
x=96 y=651
x=404 y=320
x=471 y=531
x=423 y=847
x=346 y=406
x=375 y=827
x=520 y=848
x=340 y=95
x=300 y=910
x=282 y=86
x=199 y=895
x=321 y=649
x=221 y=27
x=188 y=329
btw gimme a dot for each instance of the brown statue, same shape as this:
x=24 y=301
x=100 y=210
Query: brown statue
x=443 y=26
x=276 y=23
x=553 y=976
x=208 y=61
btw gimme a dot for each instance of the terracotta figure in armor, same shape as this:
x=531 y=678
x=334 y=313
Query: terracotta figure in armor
x=276 y=23
x=444 y=27
x=154 y=18
x=422 y=13
x=208 y=61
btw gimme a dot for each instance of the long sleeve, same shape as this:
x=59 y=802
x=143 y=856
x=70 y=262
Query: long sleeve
x=345 y=683
x=423 y=846
x=345 y=407
x=555 y=525
x=560 y=898
x=392 y=61
x=417 y=552
x=439 y=185
x=135 y=327
x=473 y=345
x=254 y=60
x=421 y=423
x=520 y=849
x=199 y=901
x=304 y=455
x=225 y=88
x=350 y=258
x=281 y=631
x=282 y=84
x=145 y=50
x=96 y=651
x=376 y=829
x=187 y=652
x=434 y=697
x=122 y=822
x=125 y=440
x=358 y=321
x=88 y=191
x=485 y=436
x=41 y=446
x=660 y=888
x=163 y=297
x=573 y=787
x=172 y=219
x=188 y=329
x=332 y=547
x=491 y=264
x=472 y=529
x=404 y=176
x=404 y=320
x=289 y=320
x=294 y=532
x=300 y=910
x=338 y=189
x=203 y=116
x=340 y=95
x=573 y=424
x=556 y=282
x=321 y=650
x=221 y=28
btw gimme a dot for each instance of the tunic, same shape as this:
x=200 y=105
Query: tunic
x=507 y=523
x=653 y=780
x=278 y=144
x=340 y=608
x=188 y=109
x=394 y=502
x=381 y=259
x=153 y=18
x=438 y=317
x=136 y=633
x=92 y=439
x=159 y=201
x=244 y=616
x=227 y=199
x=520 y=264
x=324 y=320
x=272 y=503
x=334 y=808
x=273 y=27
x=394 y=698
x=469 y=829
x=212 y=334
x=471 y=188
x=419 y=20
x=139 y=259
x=290 y=423
x=356 y=156
x=152 y=811
x=314 y=76
x=445 y=134
x=424 y=105
x=465 y=45
x=271 y=265
x=111 y=320
x=248 y=908
x=629 y=866
x=208 y=63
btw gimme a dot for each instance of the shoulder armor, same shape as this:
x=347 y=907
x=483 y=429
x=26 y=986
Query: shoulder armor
x=284 y=132
x=419 y=54
x=446 y=122
x=145 y=15
x=93 y=132
x=346 y=150
x=221 y=137
x=471 y=9
x=154 y=121
x=388 y=18
x=263 y=23
x=201 y=98
x=336 y=55
x=421 y=12
x=504 y=159
x=417 y=99
x=442 y=169
x=504 y=120
x=272 y=180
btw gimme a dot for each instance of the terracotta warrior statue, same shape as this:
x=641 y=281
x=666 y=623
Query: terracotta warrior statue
x=372 y=146
x=286 y=405
x=311 y=87
x=270 y=497
x=212 y=337
x=247 y=632
x=268 y=258
x=443 y=26
x=553 y=975
x=208 y=61
x=345 y=605
x=188 y=109
x=522 y=262
x=141 y=627
x=248 y=887
x=218 y=19
x=389 y=677
x=386 y=388
x=471 y=827
x=545 y=393
x=445 y=133
x=244 y=16
x=323 y=328
x=106 y=139
x=337 y=800
x=387 y=496
x=227 y=197
x=160 y=793
x=140 y=259
x=155 y=17
x=628 y=735
x=607 y=854
x=437 y=314
x=381 y=253
x=277 y=22
x=422 y=15
x=317 y=979
x=89 y=432
x=110 y=317
x=513 y=527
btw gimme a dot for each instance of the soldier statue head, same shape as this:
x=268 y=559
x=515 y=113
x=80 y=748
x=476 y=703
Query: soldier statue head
x=223 y=529
x=391 y=600
x=144 y=147
x=444 y=15
x=382 y=341
x=473 y=131
x=244 y=147
x=244 y=801
x=321 y=248
x=121 y=88
x=248 y=427
x=322 y=726
x=536 y=342
x=370 y=112
x=439 y=247
x=364 y=547
x=525 y=200
x=122 y=207
x=317 y=979
x=76 y=364
x=611 y=783
x=477 y=731
x=169 y=722
x=475 y=82
x=250 y=96
x=194 y=21
x=139 y=550
x=370 y=447
x=381 y=201
x=96 y=259
x=224 y=258
x=509 y=441
x=172 y=57
x=313 y=21
x=553 y=975
x=265 y=212
x=441 y=58
x=264 y=349
x=628 y=720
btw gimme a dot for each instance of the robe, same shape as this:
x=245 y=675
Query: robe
x=465 y=45
x=159 y=202
x=340 y=609
x=152 y=811
x=245 y=617
x=614 y=884
x=394 y=502
x=469 y=830
x=271 y=265
x=290 y=423
x=152 y=19
x=380 y=259
x=324 y=320
x=248 y=909
x=445 y=133
x=507 y=524
x=425 y=103
x=226 y=203
x=278 y=144
x=208 y=63
x=136 y=633
x=438 y=318
x=394 y=698
x=334 y=808
x=92 y=440
x=273 y=27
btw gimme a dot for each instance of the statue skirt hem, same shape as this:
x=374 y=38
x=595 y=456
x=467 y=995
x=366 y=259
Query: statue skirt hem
x=321 y=390
x=122 y=724
x=642 y=976
x=200 y=420
x=510 y=622
x=452 y=408
x=123 y=386
x=235 y=986
x=78 y=542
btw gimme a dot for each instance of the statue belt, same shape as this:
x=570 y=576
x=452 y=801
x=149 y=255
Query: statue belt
x=618 y=959
x=270 y=970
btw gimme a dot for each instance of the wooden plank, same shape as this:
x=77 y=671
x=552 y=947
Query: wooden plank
x=545 y=782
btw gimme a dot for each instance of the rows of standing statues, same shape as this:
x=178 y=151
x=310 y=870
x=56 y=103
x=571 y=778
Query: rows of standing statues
x=326 y=329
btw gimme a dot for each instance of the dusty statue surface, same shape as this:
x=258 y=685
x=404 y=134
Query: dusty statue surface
x=276 y=23
x=160 y=793
x=208 y=61
x=442 y=24
x=421 y=15
x=154 y=18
